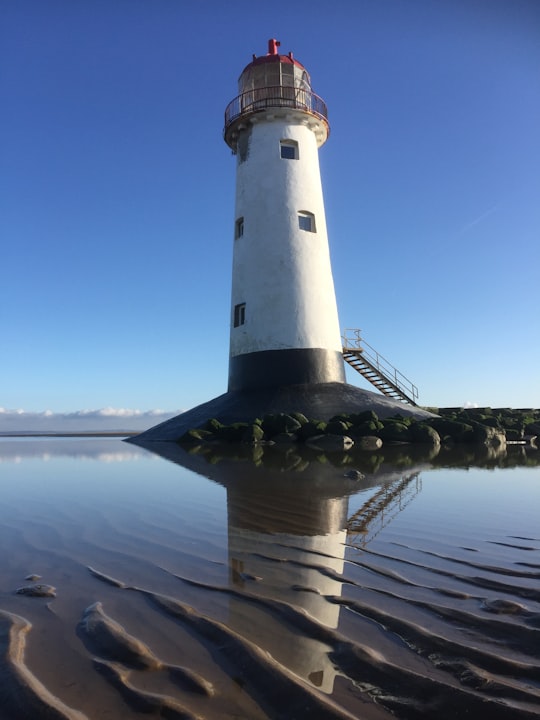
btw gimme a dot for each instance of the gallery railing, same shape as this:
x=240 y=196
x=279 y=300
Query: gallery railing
x=279 y=96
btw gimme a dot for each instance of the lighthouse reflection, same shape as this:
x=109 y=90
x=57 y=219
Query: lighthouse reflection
x=289 y=526
x=290 y=547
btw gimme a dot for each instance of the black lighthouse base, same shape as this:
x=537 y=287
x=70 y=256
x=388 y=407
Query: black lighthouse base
x=319 y=401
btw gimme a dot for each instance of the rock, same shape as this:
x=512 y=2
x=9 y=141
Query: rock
x=213 y=425
x=395 y=431
x=232 y=433
x=195 y=436
x=311 y=428
x=489 y=435
x=253 y=434
x=338 y=427
x=354 y=474
x=285 y=438
x=280 y=423
x=368 y=442
x=422 y=433
x=457 y=431
x=366 y=416
x=366 y=427
x=300 y=417
x=330 y=443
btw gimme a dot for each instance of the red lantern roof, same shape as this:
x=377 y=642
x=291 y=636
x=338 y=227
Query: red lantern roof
x=273 y=56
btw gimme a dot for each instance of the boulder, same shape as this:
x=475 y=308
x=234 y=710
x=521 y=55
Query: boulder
x=338 y=427
x=395 y=431
x=311 y=428
x=253 y=434
x=280 y=423
x=368 y=442
x=422 y=433
x=354 y=474
x=285 y=438
x=232 y=433
x=457 y=431
x=488 y=434
x=366 y=416
x=366 y=427
x=330 y=443
x=195 y=436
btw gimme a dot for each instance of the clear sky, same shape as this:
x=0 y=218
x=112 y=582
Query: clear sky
x=117 y=192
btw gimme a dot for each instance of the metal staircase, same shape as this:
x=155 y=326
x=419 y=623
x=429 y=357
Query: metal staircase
x=375 y=368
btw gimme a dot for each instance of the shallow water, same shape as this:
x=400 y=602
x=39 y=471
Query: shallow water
x=201 y=586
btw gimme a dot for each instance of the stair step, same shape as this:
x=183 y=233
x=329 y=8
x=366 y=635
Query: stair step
x=375 y=376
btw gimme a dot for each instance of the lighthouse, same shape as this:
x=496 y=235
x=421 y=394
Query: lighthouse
x=284 y=319
x=285 y=350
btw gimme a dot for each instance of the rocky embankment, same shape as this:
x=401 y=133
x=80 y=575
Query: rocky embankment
x=366 y=431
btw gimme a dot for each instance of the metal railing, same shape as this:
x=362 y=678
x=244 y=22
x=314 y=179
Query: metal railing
x=353 y=341
x=284 y=96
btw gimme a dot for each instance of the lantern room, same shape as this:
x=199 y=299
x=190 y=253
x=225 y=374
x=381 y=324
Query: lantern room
x=274 y=81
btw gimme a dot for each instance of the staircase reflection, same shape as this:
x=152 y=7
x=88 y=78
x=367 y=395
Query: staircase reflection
x=381 y=508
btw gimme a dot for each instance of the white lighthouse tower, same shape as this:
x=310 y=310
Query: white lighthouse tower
x=284 y=320
x=286 y=352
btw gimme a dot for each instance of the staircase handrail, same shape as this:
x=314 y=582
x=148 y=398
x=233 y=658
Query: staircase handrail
x=381 y=364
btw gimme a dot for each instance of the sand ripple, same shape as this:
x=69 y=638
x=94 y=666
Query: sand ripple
x=23 y=695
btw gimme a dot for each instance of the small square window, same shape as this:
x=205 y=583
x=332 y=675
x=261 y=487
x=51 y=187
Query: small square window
x=306 y=221
x=239 y=314
x=239 y=228
x=289 y=149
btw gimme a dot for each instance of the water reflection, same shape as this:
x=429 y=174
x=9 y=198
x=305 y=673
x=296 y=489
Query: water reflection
x=287 y=585
x=290 y=537
x=103 y=449
x=284 y=537
x=381 y=508
x=288 y=529
x=298 y=458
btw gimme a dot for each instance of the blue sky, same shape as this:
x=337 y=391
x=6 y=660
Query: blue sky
x=117 y=192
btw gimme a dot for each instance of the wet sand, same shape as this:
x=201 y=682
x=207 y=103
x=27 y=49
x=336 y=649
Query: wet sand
x=181 y=597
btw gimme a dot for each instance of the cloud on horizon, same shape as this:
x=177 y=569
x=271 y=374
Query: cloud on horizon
x=103 y=419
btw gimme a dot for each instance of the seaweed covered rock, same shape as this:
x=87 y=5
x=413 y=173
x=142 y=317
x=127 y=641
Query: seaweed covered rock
x=366 y=416
x=394 y=430
x=368 y=442
x=312 y=428
x=453 y=429
x=195 y=436
x=285 y=438
x=365 y=428
x=213 y=425
x=280 y=423
x=330 y=443
x=424 y=433
x=483 y=426
x=232 y=433
x=338 y=427
x=253 y=434
x=488 y=434
x=300 y=417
